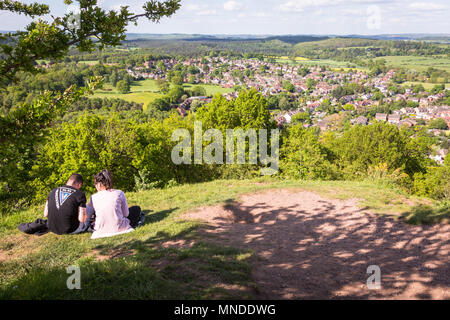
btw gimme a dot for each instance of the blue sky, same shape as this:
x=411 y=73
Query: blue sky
x=283 y=16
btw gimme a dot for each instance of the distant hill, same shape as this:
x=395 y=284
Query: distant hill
x=291 y=39
x=297 y=39
x=444 y=38
x=335 y=43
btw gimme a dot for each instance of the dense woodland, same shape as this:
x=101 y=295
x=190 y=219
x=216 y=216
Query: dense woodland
x=340 y=49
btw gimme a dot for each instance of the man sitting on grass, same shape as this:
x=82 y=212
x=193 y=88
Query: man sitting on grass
x=66 y=208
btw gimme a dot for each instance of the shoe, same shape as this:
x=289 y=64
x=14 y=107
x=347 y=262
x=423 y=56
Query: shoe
x=141 y=219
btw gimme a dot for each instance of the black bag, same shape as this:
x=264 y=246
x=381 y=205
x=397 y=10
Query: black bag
x=37 y=228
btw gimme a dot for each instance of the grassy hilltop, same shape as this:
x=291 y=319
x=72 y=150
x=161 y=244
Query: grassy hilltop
x=141 y=265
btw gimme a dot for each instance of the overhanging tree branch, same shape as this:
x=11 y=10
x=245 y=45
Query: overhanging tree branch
x=42 y=40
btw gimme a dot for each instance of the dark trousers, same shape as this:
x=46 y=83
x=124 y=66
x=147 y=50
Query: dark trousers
x=84 y=226
x=134 y=216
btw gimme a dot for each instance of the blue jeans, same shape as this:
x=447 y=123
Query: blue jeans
x=84 y=226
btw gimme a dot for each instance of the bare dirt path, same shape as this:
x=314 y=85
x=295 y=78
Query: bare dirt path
x=310 y=247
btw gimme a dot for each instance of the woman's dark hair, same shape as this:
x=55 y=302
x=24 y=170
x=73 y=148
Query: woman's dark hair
x=105 y=178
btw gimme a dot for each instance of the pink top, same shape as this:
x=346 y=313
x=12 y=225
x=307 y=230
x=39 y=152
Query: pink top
x=111 y=212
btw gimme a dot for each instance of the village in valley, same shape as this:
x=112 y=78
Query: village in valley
x=311 y=94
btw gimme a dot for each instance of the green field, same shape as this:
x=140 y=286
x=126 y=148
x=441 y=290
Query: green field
x=211 y=90
x=139 y=97
x=418 y=63
x=427 y=86
x=332 y=64
x=146 y=91
x=321 y=62
x=141 y=92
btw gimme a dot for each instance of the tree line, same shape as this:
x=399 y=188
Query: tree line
x=139 y=154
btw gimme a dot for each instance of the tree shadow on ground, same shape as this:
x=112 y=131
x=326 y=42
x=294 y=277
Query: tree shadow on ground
x=321 y=249
x=424 y=214
x=166 y=265
x=274 y=245
x=157 y=216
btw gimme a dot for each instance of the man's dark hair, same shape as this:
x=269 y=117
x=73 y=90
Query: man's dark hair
x=76 y=178
x=105 y=178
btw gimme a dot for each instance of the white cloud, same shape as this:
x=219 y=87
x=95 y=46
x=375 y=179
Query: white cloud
x=206 y=12
x=353 y=12
x=191 y=7
x=232 y=6
x=426 y=6
x=199 y=10
x=301 y=5
x=319 y=12
x=117 y=7
x=262 y=14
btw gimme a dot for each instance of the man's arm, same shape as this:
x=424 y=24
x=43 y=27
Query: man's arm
x=82 y=214
x=46 y=209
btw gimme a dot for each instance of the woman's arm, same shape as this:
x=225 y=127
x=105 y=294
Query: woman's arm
x=124 y=203
x=90 y=206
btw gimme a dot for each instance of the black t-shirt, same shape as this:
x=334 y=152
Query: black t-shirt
x=63 y=204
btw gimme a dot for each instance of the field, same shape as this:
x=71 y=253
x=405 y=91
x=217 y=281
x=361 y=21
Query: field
x=171 y=257
x=89 y=63
x=332 y=64
x=427 y=86
x=296 y=58
x=139 y=97
x=418 y=63
x=211 y=90
x=146 y=91
x=336 y=65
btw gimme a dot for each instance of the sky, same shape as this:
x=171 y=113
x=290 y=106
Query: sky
x=278 y=17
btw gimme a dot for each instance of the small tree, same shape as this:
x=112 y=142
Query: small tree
x=175 y=94
x=163 y=86
x=198 y=91
x=178 y=80
x=288 y=86
x=438 y=123
x=123 y=87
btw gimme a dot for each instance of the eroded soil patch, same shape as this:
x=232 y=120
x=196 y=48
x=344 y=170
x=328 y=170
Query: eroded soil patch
x=311 y=247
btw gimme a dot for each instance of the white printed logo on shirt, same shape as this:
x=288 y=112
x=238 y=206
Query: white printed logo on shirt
x=61 y=195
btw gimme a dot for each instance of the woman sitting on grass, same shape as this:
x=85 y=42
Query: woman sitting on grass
x=112 y=215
